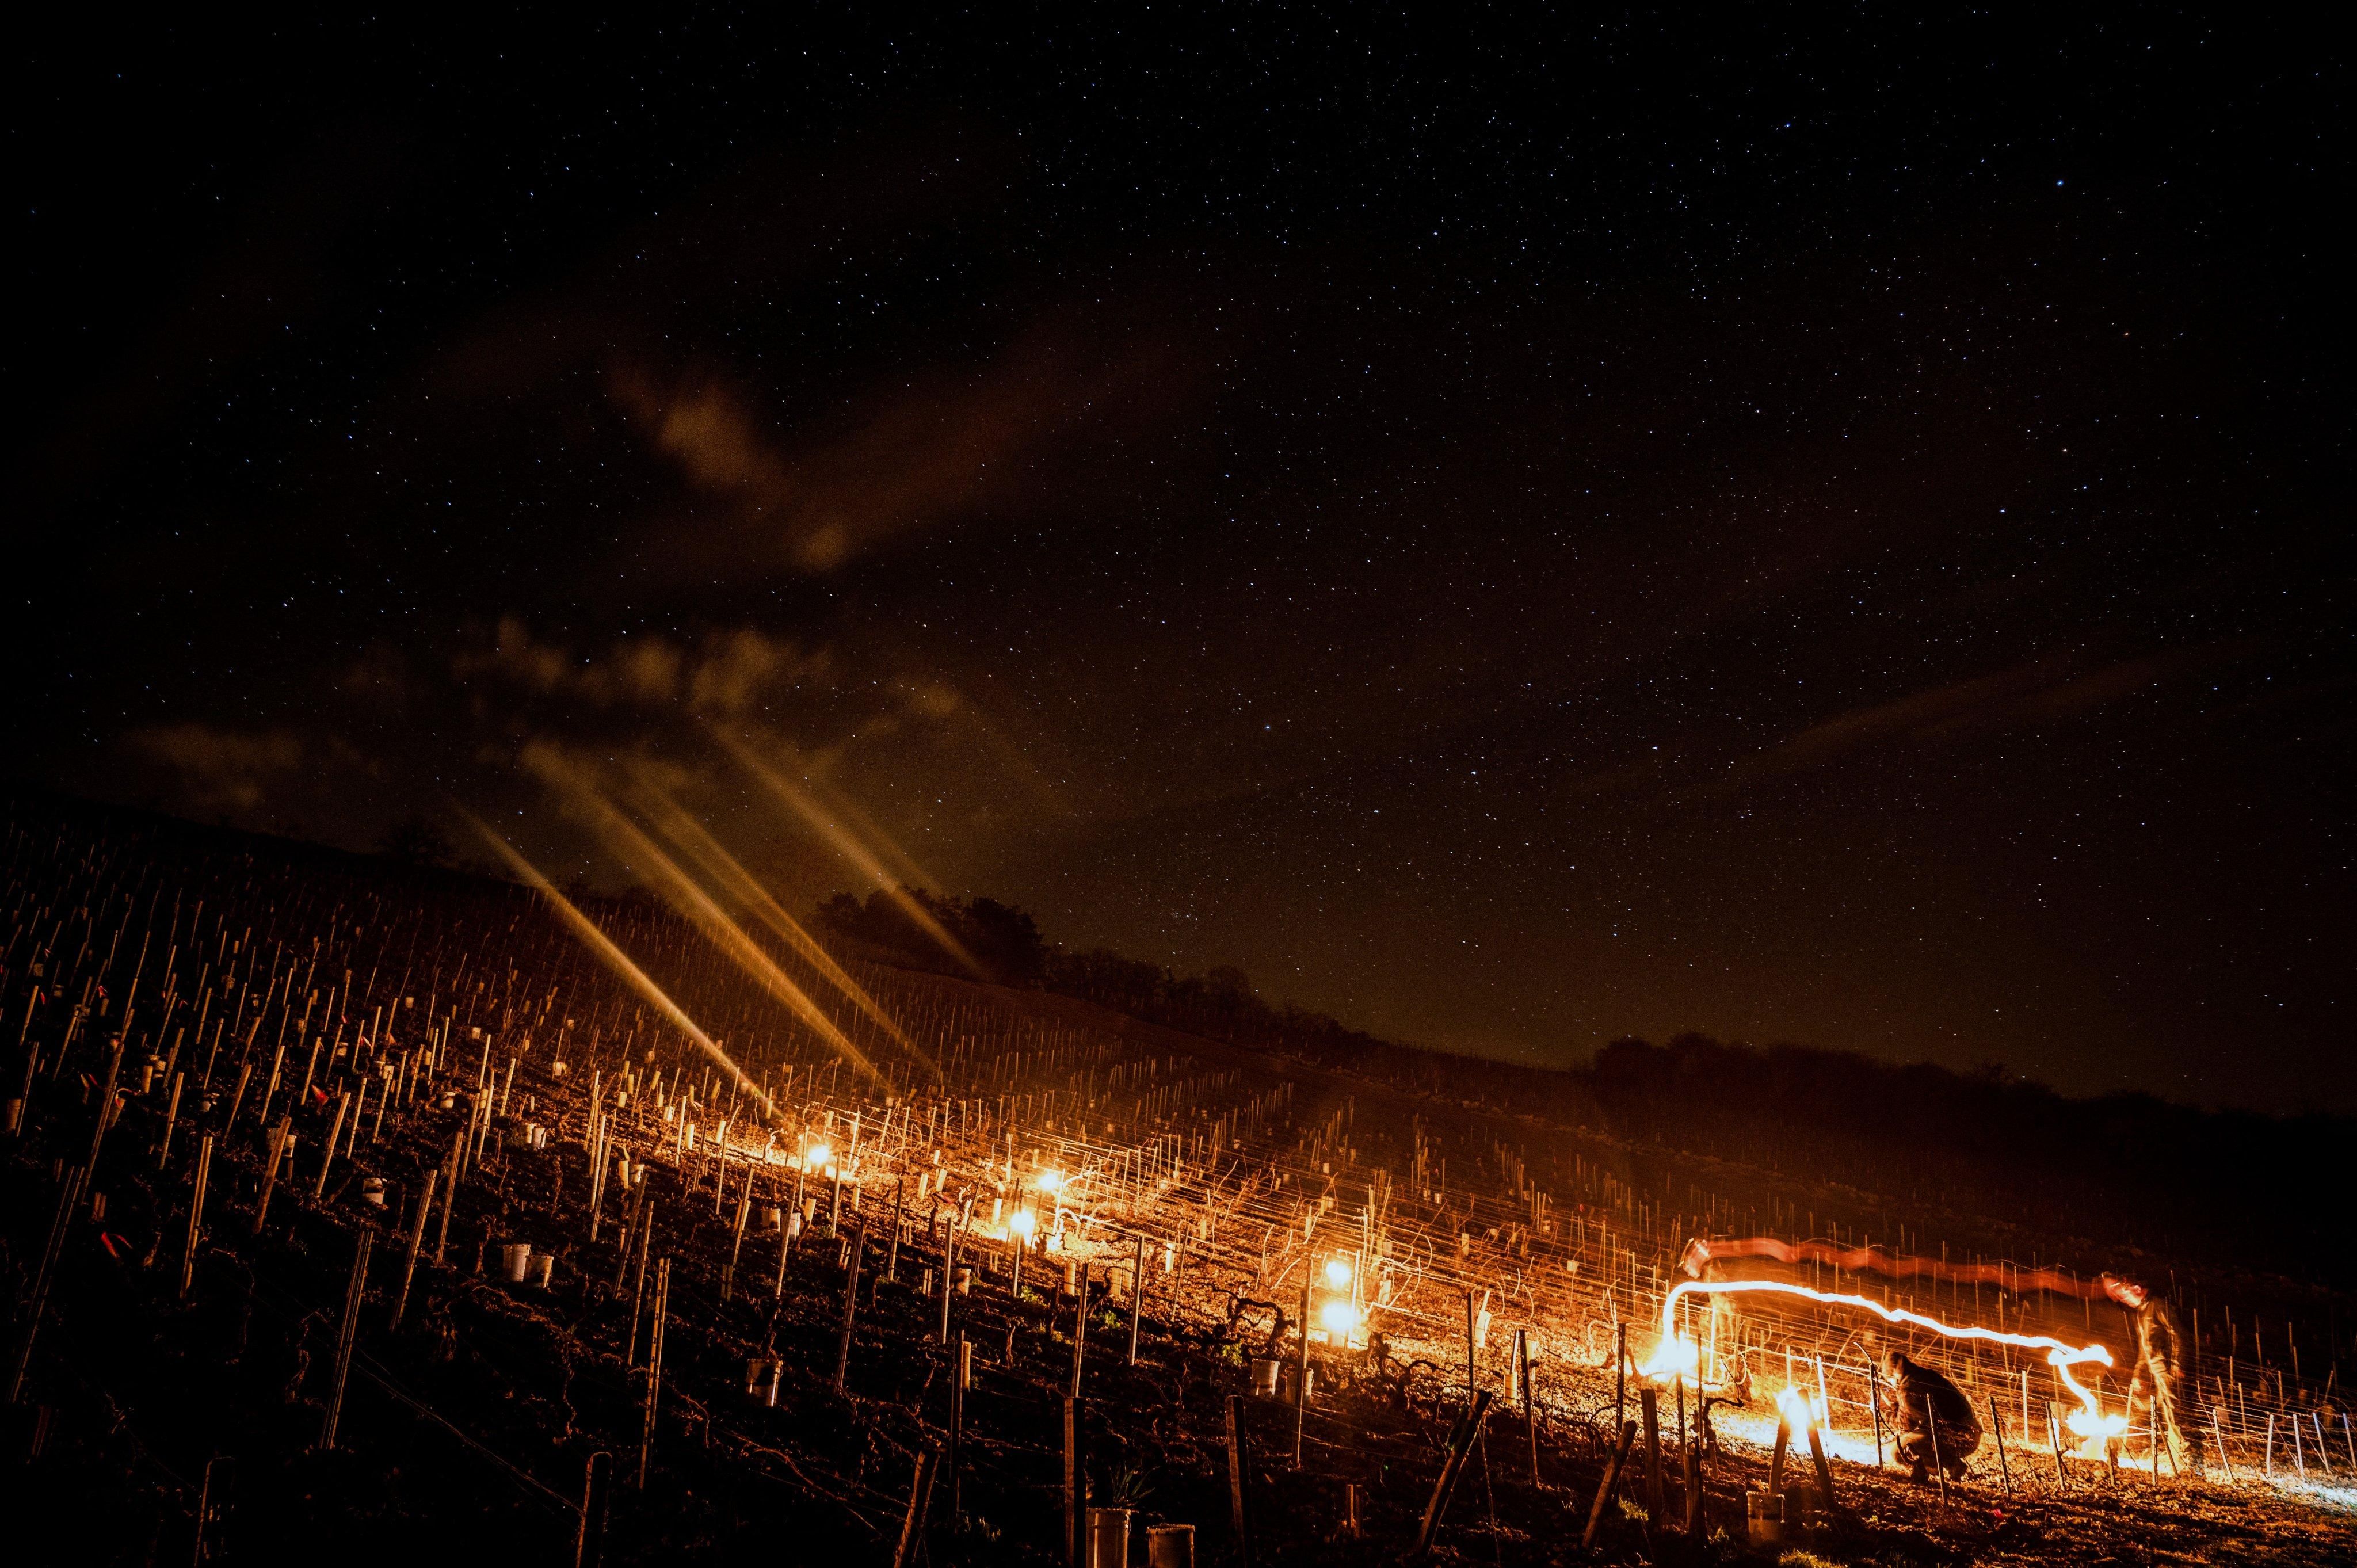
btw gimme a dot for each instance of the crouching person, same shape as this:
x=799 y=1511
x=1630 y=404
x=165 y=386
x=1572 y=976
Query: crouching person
x=1932 y=1417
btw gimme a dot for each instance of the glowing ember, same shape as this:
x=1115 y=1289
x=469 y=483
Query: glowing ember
x=817 y=1158
x=1676 y=1356
x=1338 y=1272
x=1024 y=1223
x=1339 y=1318
x=1051 y=1180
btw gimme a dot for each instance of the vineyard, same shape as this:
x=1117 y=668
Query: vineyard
x=364 y=1210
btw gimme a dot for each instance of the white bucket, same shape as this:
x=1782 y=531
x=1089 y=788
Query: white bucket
x=515 y=1256
x=1108 y=1538
x=372 y=1191
x=544 y=1267
x=1169 y=1546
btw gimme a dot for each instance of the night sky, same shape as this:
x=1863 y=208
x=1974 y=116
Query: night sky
x=1515 y=532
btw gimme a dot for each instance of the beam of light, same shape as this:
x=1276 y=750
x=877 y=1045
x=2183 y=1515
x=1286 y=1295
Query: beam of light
x=615 y=959
x=686 y=832
x=682 y=893
x=1675 y=1356
x=848 y=845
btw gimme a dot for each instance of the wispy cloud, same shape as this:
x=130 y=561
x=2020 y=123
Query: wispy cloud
x=221 y=769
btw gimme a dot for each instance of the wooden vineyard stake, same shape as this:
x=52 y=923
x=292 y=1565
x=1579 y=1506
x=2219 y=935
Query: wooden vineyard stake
x=912 y=1523
x=211 y=1495
x=654 y=1367
x=1824 y=1471
x=327 y=1160
x=2004 y=1466
x=1137 y=1298
x=1647 y=1405
x=1238 y=1521
x=1075 y=1489
x=948 y=1267
x=1301 y=1376
x=1469 y=1346
x=282 y=1143
x=1530 y=1401
x=450 y=1196
x=1621 y=1375
x=1931 y=1428
x=1874 y=1404
x=171 y=1119
x=195 y=1214
x=1079 y=1329
x=2219 y=1432
x=1444 y=1486
x=1604 y=1486
x=1690 y=1452
x=346 y=1335
x=416 y=1239
x=960 y=1379
x=1776 y=1459
x=737 y=1243
x=850 y=1305
x=597 y=1487
x=60 y=1225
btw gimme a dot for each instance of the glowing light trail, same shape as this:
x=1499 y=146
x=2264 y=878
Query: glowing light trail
x=1675 y=1356
x=691 y=900
x=617 y=960
x=724 y=868
x=847 y=845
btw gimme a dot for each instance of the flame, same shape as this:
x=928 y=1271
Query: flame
x=1799 y=1411
x=1675 y=1355
x=1338 y=1272
x=1024 y=1223
x=1339 y=1318
x=818 y=1156
x=1051 y=1180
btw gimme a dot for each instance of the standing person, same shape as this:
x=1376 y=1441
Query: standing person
x=2160 y=1363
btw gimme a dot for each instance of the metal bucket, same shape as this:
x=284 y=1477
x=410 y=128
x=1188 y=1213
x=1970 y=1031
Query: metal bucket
x=1265 y=1372
x=1169 y=1546
x=1290 y=1376
x=773 y=1220
x=544 y=1266
x=964 y=1280
x=762 y=1374
x=1764 y=1511
x=515 y=1258
x=372 y=1191
x=1108 y=1538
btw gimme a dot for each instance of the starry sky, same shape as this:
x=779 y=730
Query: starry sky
x=1516 y=531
